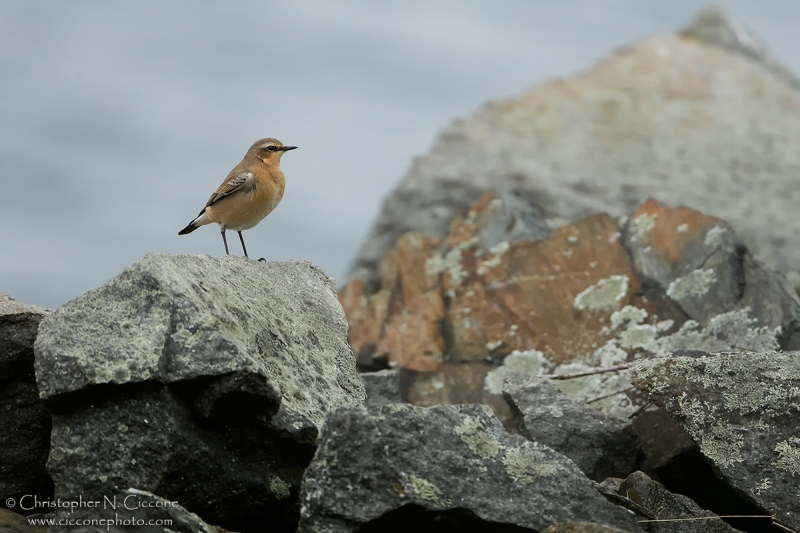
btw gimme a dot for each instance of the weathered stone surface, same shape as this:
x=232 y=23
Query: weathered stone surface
x=743 y=411
x=400 y=321
x=382 y=387
x=531 y=304
x=11 y=522
x=138 y=510
x=661 y=510
x=176 y=318
x=24 y=420
x=580 y=527
x=572 y=302
x=370 y=463
x=703 y=118
x=700 y=264
x=203 y=380
x=600 y=444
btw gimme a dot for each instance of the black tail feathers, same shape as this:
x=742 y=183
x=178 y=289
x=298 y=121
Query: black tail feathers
x=188 y=229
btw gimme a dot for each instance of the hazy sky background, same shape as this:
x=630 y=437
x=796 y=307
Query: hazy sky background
x=118 y=119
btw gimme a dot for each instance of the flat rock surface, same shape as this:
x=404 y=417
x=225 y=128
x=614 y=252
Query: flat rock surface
x=743 y=411
x=176 y=318
x=370 y=463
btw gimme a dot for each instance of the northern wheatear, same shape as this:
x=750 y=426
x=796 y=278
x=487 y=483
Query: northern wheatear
x=249 y=193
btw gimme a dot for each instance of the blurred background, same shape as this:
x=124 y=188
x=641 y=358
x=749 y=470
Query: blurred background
x=118 y=119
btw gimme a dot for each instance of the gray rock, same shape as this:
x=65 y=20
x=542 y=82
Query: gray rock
x=659 y=510
x=139 y=510
x=715 y=27
x=276 y=326
x=203 y=380
x=25 y=422
x=707 y=271
x=600 y=444
x=382 y=387
x=658 y=503
x=743 y=412
x=11 y=522
x=400 y=460
x=703 y=118
x=580 y=527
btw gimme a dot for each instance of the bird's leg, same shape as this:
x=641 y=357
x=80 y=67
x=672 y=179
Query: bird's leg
x=243 y=247
x=225 y=241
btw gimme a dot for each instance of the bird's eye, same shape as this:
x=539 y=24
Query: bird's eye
x=271 y=148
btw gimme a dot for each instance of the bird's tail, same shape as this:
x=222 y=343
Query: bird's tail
x=200 y=220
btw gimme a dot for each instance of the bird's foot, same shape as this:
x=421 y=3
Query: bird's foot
x=262 y=260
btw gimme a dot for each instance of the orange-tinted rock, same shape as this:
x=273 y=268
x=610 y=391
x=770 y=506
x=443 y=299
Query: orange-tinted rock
x=669 y=230
x=552 y=296
x=458 y=316
x=457 y=302
x=700 y=264
x=402 y=321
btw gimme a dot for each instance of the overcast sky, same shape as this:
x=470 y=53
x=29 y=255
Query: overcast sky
x=118 y=119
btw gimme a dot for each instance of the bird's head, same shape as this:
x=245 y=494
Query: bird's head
x=269 y=150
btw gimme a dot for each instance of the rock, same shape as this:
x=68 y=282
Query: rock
x=600 y=444
x=659 y=510
x=382 y=387
x=24 y=419
x=704 y=117
x=11 y=522
x=456 y=318
x=447 y=314
x=580 y=527
x=699 y=263
x=743 y=412
x=401 y=461
x=173 y=379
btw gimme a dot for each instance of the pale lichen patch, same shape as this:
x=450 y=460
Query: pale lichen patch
x=695 y=283
x=527 y=463
x=642 y=224
x=789 y=455
x=629 y=313
x=450 y=263
x=714 y=236
x=721 y=443
x=424 y=489
x=279 y=488
x=597 y=385
x=477 y=438
x=603 y=294
x=529 y=363
x=762 y=486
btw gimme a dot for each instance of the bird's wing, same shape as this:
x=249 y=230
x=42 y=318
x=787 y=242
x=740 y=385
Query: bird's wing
x=230 y=186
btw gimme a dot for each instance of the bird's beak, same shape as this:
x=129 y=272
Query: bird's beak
x=287 y=148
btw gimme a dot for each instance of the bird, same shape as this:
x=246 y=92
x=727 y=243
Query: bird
x=250 y=192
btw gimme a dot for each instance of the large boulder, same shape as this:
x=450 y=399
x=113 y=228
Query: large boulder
x=456 y=316
x=703 y=117
x=24 y=419
x=401 y=467
x=743 y=411
x=202 y=380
